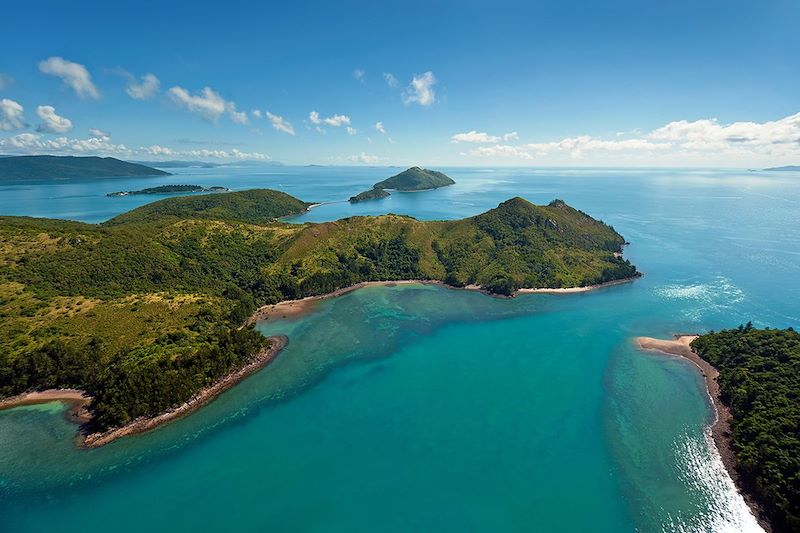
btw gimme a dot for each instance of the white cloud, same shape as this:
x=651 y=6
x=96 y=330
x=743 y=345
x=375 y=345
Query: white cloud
x=364 y=158
x=482 y=137
x=335 y=120
x=359 y=74
x=5 y=81
x=256 y=113
x=94 y=132
x=74 y=75
x=280 y=123
x=148 y=87
x=51 y=122
x=420 y=90
x=11 y=115
x=351 y=130
x=208 y=104
x=391 y=81
x=379 y=127
x=31 y=143
x=705 y=141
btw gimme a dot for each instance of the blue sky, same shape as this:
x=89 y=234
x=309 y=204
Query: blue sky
x=501 y=83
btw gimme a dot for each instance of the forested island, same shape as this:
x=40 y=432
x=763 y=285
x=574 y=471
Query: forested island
x=412 y=179
x=146 y=309
x=35 y=167
x=759 y=381
x=170 y=189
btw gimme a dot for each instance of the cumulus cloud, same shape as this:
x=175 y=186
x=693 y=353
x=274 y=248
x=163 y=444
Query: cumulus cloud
x=359 y=74
x=145 y=89
x=94 y=132
x=364 y=158
x=334 y=120
x=704 y=140
x=208 y=104
x=351 y=130
x=280 y=123
x=391 y=81
x=74 y=75
x=379 y=127
x=32 y=143
x=420 y=90
x=482 y=137
x=11 y=115
x=256 y=113
x=52 y=122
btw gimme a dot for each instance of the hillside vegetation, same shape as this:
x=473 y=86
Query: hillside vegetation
x=144 y=310
x=70 y=167
x=759 y=379
x=413 y=179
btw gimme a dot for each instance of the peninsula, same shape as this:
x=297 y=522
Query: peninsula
x=37 y=167
x=412 y=179
x=170 y=189
x=149 y=311
x=753 y=379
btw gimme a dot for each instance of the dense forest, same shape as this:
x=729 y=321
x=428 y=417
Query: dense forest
x=144 y=310
x=759 y=379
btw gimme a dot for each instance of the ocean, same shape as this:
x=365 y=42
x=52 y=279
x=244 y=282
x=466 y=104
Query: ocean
x=424 y=408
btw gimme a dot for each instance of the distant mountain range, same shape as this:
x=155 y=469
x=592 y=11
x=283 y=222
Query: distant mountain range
x=790 y=168
x=70 y=167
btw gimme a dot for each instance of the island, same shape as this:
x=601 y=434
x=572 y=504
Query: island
x=412 y=179
x=372 y=194
x=37 y=167
x=150 y=314
x=753 y=378
x=170 y=189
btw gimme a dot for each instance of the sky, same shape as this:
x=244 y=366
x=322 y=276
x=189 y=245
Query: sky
x=534 y=83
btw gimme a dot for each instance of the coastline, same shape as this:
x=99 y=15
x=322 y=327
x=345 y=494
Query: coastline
x=80 y=400
x=299 y=307
x=721 y=427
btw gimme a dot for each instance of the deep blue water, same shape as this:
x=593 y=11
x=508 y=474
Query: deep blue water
x=418 y=407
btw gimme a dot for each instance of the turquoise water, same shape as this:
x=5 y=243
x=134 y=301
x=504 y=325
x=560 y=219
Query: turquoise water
x=417 y=407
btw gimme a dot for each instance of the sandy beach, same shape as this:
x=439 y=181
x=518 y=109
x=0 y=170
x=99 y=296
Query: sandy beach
x=294 y=308
x=77 y=399
x=721 y=428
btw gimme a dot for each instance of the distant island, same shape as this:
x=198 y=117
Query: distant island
x=372 y=194
x=169 y=189
x=178 y=164
x=413 y=179
x=149 y=314
x=789 y=168
x=70 y=167
x=753 y=376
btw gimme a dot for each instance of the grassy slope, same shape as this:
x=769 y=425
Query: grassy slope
x=144 y=309
x=759 y=379
x=70 y=167
x=415 y=179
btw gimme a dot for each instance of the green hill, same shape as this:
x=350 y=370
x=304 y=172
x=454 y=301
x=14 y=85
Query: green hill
x=415 y=179
x=145 y=310
x=70 y=167
x=254 y=206
x=759 y=380
x=372 y=194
